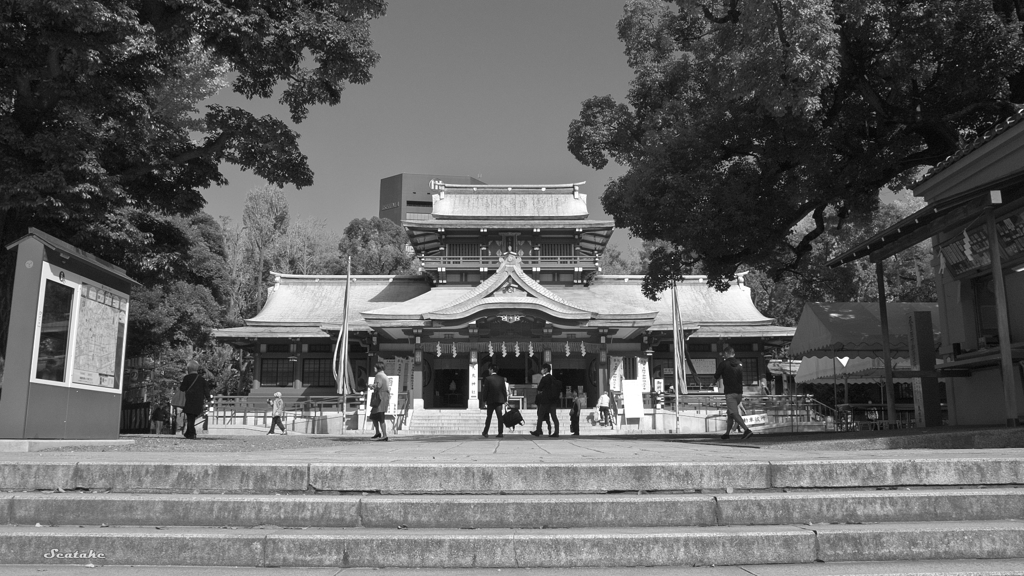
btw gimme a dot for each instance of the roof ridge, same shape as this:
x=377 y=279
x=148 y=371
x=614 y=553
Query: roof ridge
x=968 y=147
x=509 y=267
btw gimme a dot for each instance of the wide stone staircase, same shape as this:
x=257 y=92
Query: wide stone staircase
x=510 y=515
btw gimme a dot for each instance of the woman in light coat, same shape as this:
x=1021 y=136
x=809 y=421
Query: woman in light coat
x=277 y=411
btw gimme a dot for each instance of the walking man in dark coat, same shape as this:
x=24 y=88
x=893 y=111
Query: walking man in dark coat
x=730 y=373
x=547 y=400
x=495 y=394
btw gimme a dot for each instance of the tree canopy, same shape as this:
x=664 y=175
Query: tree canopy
x=744 y=117
x=98 y=107
x=101 y=132
x=376 y=246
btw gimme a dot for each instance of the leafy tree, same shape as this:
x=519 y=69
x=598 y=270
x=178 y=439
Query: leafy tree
x=264 y=221
x=100 y=130
x=218 y=364
x=376 y=246
x=613 y=261
x=307 y=247
x=745 y=117
x=183 y=284
x=908 y=275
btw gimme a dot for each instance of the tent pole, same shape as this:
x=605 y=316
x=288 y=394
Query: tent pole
x=1002 y=321
x=883 y=315
x=835 y=383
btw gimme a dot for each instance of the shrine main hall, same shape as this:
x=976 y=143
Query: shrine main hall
x=510 y=277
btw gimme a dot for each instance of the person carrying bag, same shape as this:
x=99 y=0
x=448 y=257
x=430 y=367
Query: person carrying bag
x=196 y=393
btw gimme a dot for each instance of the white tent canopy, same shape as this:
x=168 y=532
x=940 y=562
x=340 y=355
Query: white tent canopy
x=854 y=329
x=814 y=370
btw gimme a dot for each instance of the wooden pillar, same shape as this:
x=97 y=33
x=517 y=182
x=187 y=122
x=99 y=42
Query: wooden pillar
x=1002 y=320
x=927 y=407
x=416 y=394
x=883 y=316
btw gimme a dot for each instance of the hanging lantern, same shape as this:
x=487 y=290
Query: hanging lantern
x=517 y=349
x=438 y=349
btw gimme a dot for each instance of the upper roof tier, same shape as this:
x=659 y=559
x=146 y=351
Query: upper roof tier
x=508 y=202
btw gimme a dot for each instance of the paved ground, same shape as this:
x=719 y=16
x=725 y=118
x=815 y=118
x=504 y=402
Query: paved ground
x=644 y=449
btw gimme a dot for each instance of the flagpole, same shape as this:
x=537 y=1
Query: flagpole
x=677 y=345
x=341 y=352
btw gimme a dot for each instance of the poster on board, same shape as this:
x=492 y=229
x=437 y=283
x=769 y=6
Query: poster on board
x=633 y=398
x=392 y=386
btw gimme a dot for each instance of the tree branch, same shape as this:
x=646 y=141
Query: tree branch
x=804 y=246
x=210 y=149
x=732 y=15
x=778 y=18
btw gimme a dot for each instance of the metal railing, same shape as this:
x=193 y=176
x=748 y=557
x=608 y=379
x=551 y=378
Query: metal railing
x=246 y=410
x=794 y=410
x=314 y=410
x=311 y=411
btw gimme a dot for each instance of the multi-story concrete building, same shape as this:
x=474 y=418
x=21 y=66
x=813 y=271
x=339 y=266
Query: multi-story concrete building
x=408 y=196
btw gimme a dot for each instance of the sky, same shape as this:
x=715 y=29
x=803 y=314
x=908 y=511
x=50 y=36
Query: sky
x=484 y=88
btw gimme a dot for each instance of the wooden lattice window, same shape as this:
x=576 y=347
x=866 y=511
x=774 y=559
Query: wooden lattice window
x=317 y=372
x=565 y=249
x=275 y=373
x=462 y=249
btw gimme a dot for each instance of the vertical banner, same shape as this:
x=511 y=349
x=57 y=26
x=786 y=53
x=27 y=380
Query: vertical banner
x=615 y=379
x=474 y=385
x=643 y=375
x=408 y=367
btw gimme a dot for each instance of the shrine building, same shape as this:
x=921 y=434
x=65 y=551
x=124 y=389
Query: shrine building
x=511 y=276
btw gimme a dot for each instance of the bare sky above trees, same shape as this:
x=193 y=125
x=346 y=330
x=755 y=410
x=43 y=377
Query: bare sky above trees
x=463 y=87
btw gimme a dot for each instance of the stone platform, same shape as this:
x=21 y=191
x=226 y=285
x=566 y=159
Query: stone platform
x=518 y=502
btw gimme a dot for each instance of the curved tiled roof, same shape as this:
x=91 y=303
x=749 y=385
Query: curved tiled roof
x=973 y=145
x=317 y=300
x=699 y=304
x=309 y=304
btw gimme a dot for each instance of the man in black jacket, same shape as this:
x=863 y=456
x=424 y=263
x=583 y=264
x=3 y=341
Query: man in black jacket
x=730 y=372
x=495 y=395
x=547 y=400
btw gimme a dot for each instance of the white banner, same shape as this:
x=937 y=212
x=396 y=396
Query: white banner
x=643 y=375
x=615 y=377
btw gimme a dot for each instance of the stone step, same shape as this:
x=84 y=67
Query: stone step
x=973 y=567
x=513 y=511
x=484 y=478
x=545 y=548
